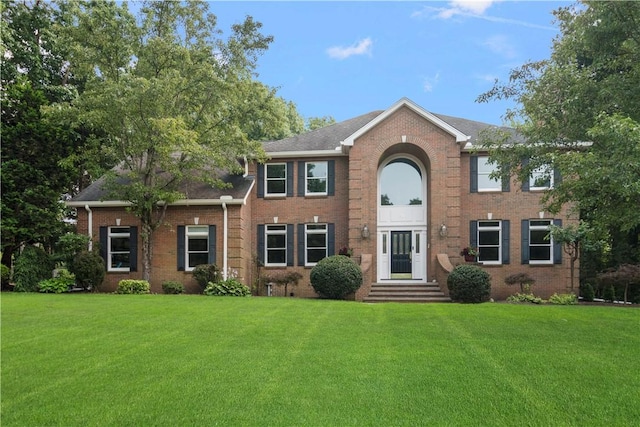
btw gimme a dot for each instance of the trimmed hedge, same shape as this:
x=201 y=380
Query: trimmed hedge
x=336 y=276
x=89 y=270
x=129 y=286
x=469 y=283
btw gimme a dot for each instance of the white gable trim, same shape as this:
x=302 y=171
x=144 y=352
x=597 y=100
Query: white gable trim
x=405 y=102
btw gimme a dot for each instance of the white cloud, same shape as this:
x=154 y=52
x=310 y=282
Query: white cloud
x=362 y=47
x=428 y=83
x=458 y=7
x=500 y=45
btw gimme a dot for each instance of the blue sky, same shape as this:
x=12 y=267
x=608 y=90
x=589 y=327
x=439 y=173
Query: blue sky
x=344 y=59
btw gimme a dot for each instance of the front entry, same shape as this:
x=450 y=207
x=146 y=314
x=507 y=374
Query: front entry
x=401 y=245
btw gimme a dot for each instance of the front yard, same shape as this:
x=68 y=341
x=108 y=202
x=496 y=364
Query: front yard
x=98 y=360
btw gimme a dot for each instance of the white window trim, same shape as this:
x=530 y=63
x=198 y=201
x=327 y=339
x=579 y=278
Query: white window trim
x=188 y=234
x=267 y=233
x=110 y=235
x=267 y=179
x=482 y=162
x=550 y=244
x=492 y=228
x=540 y=172
x=307 y=232
x=326 y=180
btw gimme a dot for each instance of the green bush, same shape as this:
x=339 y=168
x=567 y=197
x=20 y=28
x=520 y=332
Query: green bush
x=520 y=297
x=336 y=276
x=89 y=270
x=32 y=266
x=609 y=293
x=62 y=283
x=563 y=299
x=130 y=286
x=70 y=245
x=171 y=287
x=205 y=273
x=5 y=274
x=469 y=283
x=229 y=287
x=587 y=292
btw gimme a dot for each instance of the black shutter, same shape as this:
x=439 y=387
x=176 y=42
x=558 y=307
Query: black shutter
x=524 y=244
x=331 y=177
x=290 y=245
x=133 y=248
x=212 y=244
x=289 y=179
x=506 y=231
x=525 y=183
x=557 y=246
x=104 y=244
x=473 y=233
x=181 y=247
x=331 y=239
x=506 y=181
x=301 y=244
x=557 y=177
x=261 y=243
x=301 y=179
x=473 y=168
x=260 y=180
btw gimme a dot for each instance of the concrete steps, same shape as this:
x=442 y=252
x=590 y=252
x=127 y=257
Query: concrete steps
x=406 y=292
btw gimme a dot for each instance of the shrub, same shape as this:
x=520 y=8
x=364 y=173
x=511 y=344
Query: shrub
x=563 y=299
x=129 y=286
x=57 y=285
x=523 y=279
x=205 y=273
x=89 y=270
x=171 y=287
x=5 y=274
x=70 y=245
x=519 y=297
x=587 y=292
x=282 y=278
x=469 y=283
x=229 y=287
x=336 y=276
x=32 y=266
x=609 y=293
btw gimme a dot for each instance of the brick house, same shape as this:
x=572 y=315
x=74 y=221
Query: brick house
x=403 y=188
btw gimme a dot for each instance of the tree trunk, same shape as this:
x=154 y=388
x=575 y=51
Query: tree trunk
x=147 y=251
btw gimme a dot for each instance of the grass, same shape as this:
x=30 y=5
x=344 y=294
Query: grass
x=138 y=360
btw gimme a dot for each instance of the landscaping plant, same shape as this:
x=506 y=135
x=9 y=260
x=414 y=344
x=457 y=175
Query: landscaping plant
x=130 y=286
x=229 y=287
x=32 y=266
x=336 y=276
x=469 y=283
x=88 y=267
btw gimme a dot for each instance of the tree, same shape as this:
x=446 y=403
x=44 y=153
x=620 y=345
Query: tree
x=579 y=113
x=174 y=100
x=574 y=238
x=314 y=123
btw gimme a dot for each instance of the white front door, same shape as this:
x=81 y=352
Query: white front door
x=402 y=255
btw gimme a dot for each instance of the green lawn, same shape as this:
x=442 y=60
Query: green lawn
x=164 y=360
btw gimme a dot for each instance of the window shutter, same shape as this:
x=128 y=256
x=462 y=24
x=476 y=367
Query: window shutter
x=133 y=248
x=290 y=245
x=525 y=183
x=260 y=180
x=212 y=244
x=473 y=233
x=331 y=239
x=557 y=177
x=261 y=243
x=506 y=183
x=557 y=246
x=524 y=245
x=301 y=178
x=473 y=168
x=104 y=244
x=331 y=177
x=181 y=248
x=301 y=245
x=289 y=179
x=506 y=256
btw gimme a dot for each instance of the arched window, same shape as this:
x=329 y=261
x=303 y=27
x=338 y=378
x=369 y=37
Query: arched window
x=401 y=184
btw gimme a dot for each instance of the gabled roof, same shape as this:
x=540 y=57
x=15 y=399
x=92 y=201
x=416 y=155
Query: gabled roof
x=195 y=191
x=405 y=102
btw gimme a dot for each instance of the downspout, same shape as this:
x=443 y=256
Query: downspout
x=89 y=226
x=225 y=244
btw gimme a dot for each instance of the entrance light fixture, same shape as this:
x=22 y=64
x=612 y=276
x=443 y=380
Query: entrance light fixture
x=443 y=230
x=365 y=232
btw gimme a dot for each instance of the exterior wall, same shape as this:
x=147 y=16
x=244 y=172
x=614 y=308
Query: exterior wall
x=301 y=210
x=164 y=262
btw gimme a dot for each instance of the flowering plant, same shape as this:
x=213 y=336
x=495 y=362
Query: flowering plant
x=469 y=251
x=345 y=251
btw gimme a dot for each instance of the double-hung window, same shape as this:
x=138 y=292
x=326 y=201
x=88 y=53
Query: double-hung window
x=316 y=243
x=276 y=179
x=119 y=250
x=196 y=245
x=489 y=239
x=276 y=245
x=485 y=182
x=540 y=243
x=316 y=177
x=541 y=179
